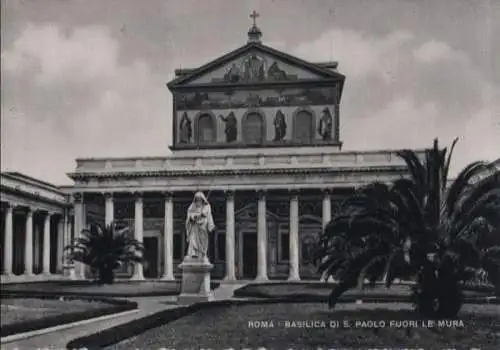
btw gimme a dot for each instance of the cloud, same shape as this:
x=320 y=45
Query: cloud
x=359 y=55
x=87 y=53
x=72 y=93
x=433 y=50
x=402 y=91
x=68 y=95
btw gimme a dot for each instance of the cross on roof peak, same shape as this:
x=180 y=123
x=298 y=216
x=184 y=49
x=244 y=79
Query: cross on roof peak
x=254 y=15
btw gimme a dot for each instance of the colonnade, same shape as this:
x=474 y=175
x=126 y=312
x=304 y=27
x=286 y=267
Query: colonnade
x=168 y=261
x=31 y=240
x=66 y=226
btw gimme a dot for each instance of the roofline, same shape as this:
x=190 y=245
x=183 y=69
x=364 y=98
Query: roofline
x=331 y=65
x=417 y=150
x=15 y=175
x=222 y=59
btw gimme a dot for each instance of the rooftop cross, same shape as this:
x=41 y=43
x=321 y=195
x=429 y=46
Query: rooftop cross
x=254 y=15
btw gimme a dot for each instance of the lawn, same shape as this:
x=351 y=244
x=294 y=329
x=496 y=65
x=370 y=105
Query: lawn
x=88 y=288
x=27 y=309
x=270 y=326
x=280 y=290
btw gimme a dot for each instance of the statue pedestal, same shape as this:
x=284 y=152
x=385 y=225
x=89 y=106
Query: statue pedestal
x=195 y=281
x=69 y=271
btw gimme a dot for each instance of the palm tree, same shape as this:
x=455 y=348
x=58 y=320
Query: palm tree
x=419 y=227
x=104 y=249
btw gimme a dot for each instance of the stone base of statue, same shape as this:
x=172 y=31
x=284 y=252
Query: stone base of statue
x=69 y=271
x=195 y=286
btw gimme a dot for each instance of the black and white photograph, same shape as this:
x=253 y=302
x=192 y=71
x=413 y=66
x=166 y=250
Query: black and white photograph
x=250 y=174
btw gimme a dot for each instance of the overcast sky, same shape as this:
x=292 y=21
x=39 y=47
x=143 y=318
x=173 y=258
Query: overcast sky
x=86 y=78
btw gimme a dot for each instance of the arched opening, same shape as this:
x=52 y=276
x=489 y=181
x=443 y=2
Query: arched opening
x=205 y=129
x=254 y=131
x=303 y=127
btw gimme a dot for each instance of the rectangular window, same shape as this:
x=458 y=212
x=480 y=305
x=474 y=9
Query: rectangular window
x=221 y=247
x=285 y=247
x=178 y=247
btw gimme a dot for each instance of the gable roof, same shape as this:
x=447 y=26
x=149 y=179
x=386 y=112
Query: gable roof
x=188 y=75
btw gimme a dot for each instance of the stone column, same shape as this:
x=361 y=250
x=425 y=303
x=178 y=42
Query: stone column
x=327 y=215
x=138 y=234
x=68 y=240
x=28 y=244
x=109 y=208
x=262 y=238
x=46 y=244
x=60 y=244
x=8 y=242
x=168 y=239
x=294 y=237
x=327 y=207
x=37 y=239
x=230 y=240
x=78 y=227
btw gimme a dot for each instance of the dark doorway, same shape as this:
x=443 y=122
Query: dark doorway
x=249 y=255
x=151 y=257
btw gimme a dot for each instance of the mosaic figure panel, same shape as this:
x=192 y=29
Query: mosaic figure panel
x=253 y=99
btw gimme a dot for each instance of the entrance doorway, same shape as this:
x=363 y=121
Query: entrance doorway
x=151 y=257
x=249 y=255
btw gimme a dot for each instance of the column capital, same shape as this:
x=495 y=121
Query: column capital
x=21 y=209
x=261 y=193
x=294 y=192
x=7 y=205
x=229 y=194
x=138 y=195
x=168 y=195
x=78 y=197
x=108 y=195
x=327 y=191
x=49 y=213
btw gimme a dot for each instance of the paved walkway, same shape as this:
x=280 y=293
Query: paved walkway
x=147 y=306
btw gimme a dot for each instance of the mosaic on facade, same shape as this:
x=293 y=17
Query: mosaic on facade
x=254 y=68
x=253 y=99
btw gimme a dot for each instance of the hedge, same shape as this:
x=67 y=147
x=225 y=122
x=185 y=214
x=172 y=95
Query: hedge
x=115 y=306
x=5 y=292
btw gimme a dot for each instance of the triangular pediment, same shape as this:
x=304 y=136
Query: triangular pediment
x=255 y=63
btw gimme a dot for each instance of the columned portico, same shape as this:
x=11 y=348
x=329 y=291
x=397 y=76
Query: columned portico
x=261 y=238
x=168 y=238
x=30 y=235
x=294 y=237
x=230 y=237
x=138 y=233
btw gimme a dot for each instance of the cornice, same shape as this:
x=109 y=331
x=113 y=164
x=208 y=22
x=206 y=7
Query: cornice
x=259 y=85
x=267 y=144
x=233 y=172
x=32 y=196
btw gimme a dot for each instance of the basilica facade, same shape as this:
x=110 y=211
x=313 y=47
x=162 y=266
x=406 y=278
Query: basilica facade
x=258 y=131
